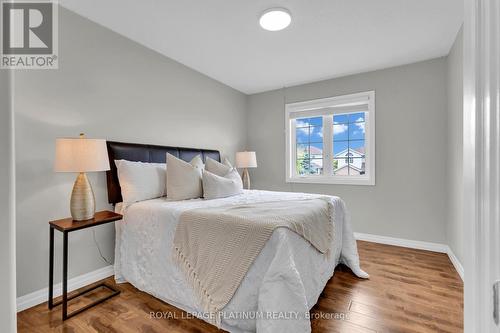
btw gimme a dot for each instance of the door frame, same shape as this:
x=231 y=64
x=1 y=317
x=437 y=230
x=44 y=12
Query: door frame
x=481 y=162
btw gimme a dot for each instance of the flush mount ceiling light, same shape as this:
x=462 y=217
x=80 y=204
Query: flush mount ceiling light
x=275 y=19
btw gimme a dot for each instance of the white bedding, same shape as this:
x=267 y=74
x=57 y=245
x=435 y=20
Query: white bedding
x=286 y=278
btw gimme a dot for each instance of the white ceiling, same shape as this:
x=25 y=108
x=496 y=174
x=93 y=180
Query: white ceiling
x=327 y=38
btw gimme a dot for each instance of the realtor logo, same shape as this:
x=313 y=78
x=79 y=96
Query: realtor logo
x=29 y=34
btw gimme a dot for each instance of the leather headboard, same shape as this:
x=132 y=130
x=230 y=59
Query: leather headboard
x=145 y=153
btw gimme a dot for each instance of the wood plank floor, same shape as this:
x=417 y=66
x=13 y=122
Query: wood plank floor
x=408 y=291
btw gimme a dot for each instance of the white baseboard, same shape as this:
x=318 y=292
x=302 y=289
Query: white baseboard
x=40 y=296
x=454 y=260
x=413 y=244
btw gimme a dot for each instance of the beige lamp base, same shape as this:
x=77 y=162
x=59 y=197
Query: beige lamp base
x=246 y=179
x=82 y=199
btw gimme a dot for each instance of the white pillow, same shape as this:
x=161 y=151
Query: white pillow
x=183 y=178
x=217 y=168
x=215 y=186
x=140 y=181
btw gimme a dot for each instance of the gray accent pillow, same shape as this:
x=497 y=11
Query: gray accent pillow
x=183 y=178
x=215 y=186
x=220 y=169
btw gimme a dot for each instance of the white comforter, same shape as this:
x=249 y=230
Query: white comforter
x=282 y=285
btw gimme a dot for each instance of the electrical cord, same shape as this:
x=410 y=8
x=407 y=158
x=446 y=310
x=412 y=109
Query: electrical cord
x=99 y=249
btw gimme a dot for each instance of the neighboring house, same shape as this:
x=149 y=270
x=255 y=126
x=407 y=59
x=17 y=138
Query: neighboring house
x=352 y=159
x=315 y=152
x=348 y=158
x=316 y=155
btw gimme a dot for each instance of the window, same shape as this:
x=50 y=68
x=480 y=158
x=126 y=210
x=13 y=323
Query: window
x=349 y=159
x=332 y=140
x=309 y=147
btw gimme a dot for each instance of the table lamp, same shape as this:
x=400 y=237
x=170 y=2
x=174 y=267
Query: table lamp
x=81 y=155
x=245 y=160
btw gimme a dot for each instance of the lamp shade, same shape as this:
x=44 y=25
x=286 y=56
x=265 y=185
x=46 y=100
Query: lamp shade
x=246 y=159
x=81 y=155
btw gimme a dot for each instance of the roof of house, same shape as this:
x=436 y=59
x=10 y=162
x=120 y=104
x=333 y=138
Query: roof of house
x=360 y=150
x=315 y=150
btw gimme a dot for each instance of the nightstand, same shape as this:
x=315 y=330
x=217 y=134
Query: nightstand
x=66 y=226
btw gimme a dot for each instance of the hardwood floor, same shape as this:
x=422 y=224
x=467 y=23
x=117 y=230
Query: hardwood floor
x=408 y=291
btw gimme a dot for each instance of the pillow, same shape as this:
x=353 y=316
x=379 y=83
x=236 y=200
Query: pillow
x=140 y=181
x=183 y=178
x=226 y=162
x=215 y=186
x=217 y=168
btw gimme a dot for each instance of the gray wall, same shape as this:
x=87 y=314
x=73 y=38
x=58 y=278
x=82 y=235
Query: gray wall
x=455 y=147
x=408 y=200
x=112 y=88
x=7 y=235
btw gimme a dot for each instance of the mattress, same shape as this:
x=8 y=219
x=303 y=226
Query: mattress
x=281 y=286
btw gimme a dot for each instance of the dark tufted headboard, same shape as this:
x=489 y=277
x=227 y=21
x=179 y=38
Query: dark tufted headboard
x=145 y=153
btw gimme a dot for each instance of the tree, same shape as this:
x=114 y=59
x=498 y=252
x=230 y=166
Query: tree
x=303 y=165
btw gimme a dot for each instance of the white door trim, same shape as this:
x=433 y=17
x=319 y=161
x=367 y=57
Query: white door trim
x=8 y=211
x=481 y=161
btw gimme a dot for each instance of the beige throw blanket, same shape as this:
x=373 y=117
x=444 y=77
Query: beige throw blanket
x=215 y=247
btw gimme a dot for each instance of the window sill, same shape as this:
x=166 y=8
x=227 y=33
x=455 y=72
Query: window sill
x=332 y=180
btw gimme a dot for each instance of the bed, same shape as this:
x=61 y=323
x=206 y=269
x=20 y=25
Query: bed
x=280 y=287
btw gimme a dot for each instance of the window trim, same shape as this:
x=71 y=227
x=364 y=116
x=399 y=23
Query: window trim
x=339 y=102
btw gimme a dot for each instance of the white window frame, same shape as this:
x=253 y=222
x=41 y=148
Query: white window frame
x=339 y=105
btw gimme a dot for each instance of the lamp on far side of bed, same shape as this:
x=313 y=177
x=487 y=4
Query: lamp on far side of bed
x=245 y=160
x=81 y=155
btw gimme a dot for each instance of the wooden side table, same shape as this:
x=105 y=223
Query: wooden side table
x=66 y=226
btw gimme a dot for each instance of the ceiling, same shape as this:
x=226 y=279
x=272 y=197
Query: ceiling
x=327 y=38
